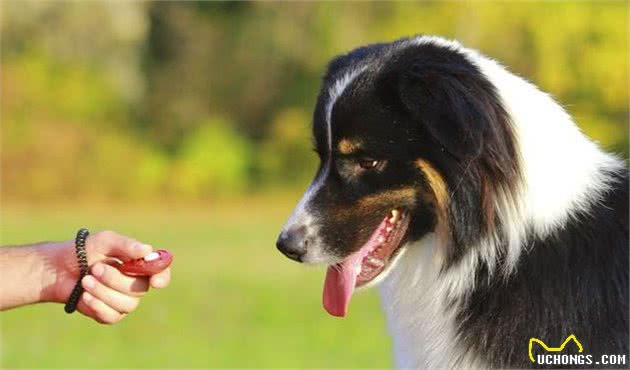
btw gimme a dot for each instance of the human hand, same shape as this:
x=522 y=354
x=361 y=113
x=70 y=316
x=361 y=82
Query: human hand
x=109 y=295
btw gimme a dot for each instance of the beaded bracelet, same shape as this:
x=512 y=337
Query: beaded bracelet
x=79 y=245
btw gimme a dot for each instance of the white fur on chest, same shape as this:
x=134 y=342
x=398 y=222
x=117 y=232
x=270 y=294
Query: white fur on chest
x=413 y=298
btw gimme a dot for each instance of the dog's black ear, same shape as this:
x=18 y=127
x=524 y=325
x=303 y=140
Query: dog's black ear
x=452 y=100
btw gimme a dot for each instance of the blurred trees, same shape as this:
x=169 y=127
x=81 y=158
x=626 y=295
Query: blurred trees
x=192 y=100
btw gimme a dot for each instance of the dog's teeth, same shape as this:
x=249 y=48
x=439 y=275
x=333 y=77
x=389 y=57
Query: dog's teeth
x=381 y=239
x=375 y=262
x=357 y=269
x=389 y=228
x=395 y=216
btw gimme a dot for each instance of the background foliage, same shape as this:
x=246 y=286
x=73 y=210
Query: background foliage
x=186 y=125
x=194 y=100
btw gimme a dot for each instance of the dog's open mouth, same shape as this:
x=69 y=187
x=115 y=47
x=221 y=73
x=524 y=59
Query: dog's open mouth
x=364 y=265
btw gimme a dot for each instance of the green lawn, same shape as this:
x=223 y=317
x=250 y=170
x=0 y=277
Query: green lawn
x=234 y=301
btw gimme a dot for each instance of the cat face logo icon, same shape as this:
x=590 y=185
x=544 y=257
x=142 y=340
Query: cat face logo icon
x=553 y=349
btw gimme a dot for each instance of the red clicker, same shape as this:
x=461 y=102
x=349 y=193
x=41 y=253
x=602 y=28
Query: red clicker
x=150 y=264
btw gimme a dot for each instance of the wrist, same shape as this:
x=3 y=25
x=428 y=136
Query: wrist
x=58 y=271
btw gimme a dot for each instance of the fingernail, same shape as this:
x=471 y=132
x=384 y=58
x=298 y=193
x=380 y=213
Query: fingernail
x=87 y=297
x=89 y=282
x=98 y=270
x=142 y=247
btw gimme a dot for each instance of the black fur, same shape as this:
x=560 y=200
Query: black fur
x=421 y=101
x=572 y=282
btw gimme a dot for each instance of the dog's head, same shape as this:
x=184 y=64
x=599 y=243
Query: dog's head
x=412 y=139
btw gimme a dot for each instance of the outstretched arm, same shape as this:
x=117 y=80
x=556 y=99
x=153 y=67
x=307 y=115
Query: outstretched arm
x=47 y=272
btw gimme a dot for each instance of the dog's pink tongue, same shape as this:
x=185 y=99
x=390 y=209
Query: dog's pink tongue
x=339 y=285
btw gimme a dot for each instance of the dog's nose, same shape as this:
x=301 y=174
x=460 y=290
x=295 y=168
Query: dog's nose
x=293 y=242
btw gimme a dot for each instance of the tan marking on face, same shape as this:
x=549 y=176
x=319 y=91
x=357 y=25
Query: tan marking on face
x=398 y=198
x=346 y=146
x=436 y=182
x=439 y=197
x=366 y=206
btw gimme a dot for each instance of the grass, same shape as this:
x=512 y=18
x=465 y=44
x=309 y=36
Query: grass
x=234 y=301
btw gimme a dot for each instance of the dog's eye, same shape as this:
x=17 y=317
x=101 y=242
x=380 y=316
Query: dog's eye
x=368 y=163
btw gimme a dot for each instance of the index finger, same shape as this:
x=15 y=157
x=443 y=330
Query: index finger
x=113 y=244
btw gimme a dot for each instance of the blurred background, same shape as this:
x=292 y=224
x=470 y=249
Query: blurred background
x=186 y=125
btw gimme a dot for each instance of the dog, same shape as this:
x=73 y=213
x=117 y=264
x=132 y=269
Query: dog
x=485 y=216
